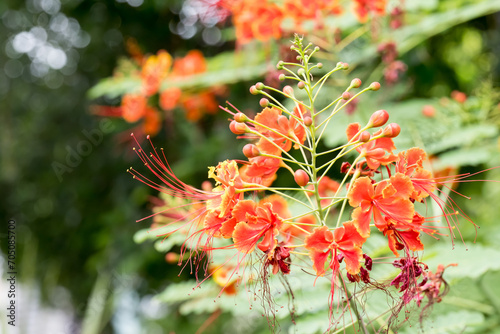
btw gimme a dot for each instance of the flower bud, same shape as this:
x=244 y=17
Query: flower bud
x=264 y=102
x=301 y=177
x=288 y=90
x=301 y=72
x=279 y=66
x=364 y=136
x=299 y=58
x=428 y=111
x=172 y=257
x=308 y=121
x=374 y=86
x=392 y=130
x=320 y=65
x=378 y=118
x=259 y=86
x=240 y=117
x=301 y=85
x=345 y=66
x=281 y=77
x=237 y=128
x=346 y=95
x=344 y=168
x=356 y=83
x=253 y=90
x=460 y=97
x=251 y=151
x=316 y=48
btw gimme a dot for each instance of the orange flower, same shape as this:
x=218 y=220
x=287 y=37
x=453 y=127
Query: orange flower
x=259 y=20
x=362 y=8
x=304 y=10
x=228 y=180
x=170 y=97
x=410 y=163
x=279 y=131
x=255 y=221
x=261 y=170
x=197 y=104
x=280 y=207
x=193 y=63
x=403 y=235
x=152 y=121
x=375 y=150
x=388 y=198
x=133 y=107
x=218 y=226
x=345 y=240
x=154 y=71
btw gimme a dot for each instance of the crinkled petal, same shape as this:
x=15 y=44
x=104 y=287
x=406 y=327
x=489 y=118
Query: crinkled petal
x=319 y=240
x=319 y=260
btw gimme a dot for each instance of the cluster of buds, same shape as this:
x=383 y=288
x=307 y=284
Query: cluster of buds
x=244 y=213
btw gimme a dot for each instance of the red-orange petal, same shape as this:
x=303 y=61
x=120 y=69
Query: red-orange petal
x=319 y=240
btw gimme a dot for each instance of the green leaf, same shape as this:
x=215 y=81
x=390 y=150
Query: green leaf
x=143 y=235
x=473 y=261
x=166 y=244
x=465 y=157
x=115 y=87
x=452 y=323
x=225 y=68
x=457 y=137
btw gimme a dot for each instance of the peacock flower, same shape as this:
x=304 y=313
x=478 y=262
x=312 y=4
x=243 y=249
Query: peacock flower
x=255 y=221
x=278 y=131
x=376 y=152
x=389 y=198
x=345 y=241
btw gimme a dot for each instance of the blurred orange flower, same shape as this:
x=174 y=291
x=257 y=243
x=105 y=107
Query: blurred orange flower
x=133 y=107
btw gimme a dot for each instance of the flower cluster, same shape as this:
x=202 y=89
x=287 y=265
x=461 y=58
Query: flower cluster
x=265 y=20
x=153 y=71
x=276 y=226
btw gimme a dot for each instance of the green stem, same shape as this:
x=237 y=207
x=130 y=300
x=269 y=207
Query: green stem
x=354 y=308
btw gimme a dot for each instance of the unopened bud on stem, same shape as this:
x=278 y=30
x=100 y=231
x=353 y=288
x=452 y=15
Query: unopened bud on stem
x=288 y=90
x=240 y=117
x=392 y=130
x=301 y=85
x=374 y=86
x=346 y=95
x=251 y=151
x=264 y=102
x=378 y=118
x=301 y=177
x=356 y=83
x=237 y=128
x=259 y=86
x=364 y=136
x=308 y=121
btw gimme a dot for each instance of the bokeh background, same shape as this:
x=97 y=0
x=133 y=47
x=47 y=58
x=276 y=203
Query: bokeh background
x=79 y=268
